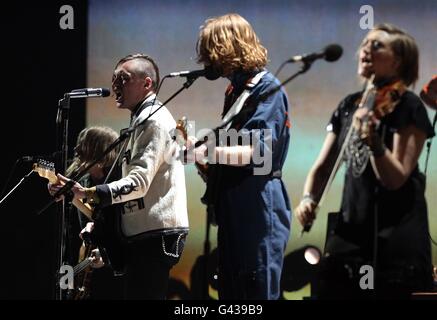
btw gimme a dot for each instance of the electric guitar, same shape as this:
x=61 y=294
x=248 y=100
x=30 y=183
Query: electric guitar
x=106 y=229
x=209 y=173
x=46 y=169
x=181 y=136
x=82 y=273
x=83 y=270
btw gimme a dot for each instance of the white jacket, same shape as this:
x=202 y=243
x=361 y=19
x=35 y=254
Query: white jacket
x=153 y=187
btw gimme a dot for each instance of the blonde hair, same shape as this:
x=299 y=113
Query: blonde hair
x=91 y=143
x=229 y=43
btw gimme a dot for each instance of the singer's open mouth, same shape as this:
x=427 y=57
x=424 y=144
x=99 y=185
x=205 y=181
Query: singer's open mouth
x=366 y=62
x=118 y=96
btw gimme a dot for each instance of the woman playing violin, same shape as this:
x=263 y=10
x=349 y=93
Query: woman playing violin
x=383 y=219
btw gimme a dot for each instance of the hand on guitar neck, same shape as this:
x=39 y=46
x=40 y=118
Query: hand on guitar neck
x=95 y=257
x=89 y=259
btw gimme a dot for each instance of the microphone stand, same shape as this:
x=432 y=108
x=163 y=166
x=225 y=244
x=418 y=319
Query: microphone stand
x=305 y=67
x=16 y=186
x=211 y=206
x=429 y=143
x=62 y=119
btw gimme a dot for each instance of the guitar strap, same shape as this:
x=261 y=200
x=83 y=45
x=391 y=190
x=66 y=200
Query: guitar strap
x=239 y=103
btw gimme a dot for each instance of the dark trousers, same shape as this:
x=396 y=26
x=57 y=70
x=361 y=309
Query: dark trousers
x=148 y=267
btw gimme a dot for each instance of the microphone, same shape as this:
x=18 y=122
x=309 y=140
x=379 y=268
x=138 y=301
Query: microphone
x=89 y=93
x=208 y=72
x=331 y=53
x=429 y=93
x=32 y=158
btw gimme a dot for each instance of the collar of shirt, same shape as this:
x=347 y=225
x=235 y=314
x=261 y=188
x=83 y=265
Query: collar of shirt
x=140 y=107
x=240 y=78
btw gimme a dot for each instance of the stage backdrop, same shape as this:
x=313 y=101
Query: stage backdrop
x=167 y=30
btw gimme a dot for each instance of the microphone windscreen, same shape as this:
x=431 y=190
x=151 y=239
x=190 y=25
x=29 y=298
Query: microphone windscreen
x=212 y=73
x=333 y=52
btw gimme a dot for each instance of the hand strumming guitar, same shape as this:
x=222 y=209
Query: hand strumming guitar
x=95 y=256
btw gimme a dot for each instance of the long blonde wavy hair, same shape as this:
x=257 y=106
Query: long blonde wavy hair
x=229 y=43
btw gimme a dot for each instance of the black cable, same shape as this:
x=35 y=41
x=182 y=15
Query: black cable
x=428 y=151
x=429 y=143
x=375 y=240
x=157 y=92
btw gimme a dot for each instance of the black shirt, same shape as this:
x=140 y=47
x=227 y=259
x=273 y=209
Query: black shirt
x=401 y=215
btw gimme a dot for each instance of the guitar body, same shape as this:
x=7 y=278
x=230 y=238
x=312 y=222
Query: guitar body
x=107 y=235
x=210 y=173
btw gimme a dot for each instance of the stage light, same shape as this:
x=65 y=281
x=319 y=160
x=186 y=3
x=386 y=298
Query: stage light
x=312 y=255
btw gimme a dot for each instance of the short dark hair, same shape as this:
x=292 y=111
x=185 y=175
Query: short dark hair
x=149 y=67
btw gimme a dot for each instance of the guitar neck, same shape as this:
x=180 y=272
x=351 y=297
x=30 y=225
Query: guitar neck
x=50 y=174
x=85 y=208
x=81 y=266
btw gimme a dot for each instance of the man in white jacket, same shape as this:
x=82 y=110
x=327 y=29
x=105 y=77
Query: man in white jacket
x=151 y=191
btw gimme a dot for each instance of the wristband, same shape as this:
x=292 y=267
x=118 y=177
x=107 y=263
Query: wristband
x=91 y=196
x=308 y=197
x=378 y=147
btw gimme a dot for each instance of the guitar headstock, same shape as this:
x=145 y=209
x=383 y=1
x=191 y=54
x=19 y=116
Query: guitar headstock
x=45 y=169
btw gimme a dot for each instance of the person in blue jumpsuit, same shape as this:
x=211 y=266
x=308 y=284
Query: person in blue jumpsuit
x=248 y=197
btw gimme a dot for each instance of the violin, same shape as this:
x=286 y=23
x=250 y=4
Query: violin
x=388 y=97
x=381 y=98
